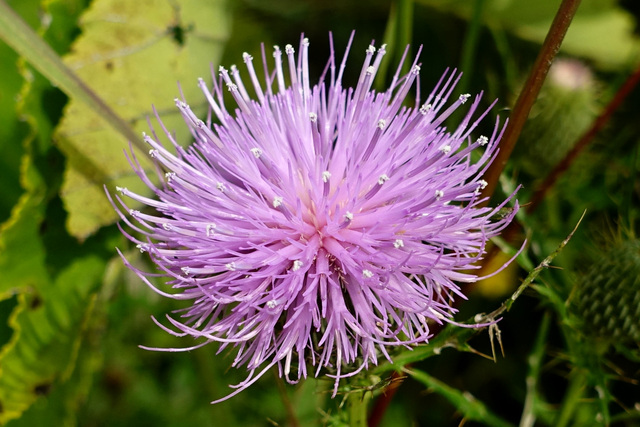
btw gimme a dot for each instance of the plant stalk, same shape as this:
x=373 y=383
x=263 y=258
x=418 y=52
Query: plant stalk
x=529 y=93
x=357 y=402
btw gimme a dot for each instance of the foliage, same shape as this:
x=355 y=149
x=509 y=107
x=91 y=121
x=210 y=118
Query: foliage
x=72 y=316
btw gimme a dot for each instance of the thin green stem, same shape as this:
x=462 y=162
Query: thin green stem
x=506 y=55
x=397 y=35
x=405 y=28
x=528 y=418
x=357 y=402
x=390 y=40
x=20 y=37
x=572 y=397
x=292 y=419
x=469 y=47
x=529 y=93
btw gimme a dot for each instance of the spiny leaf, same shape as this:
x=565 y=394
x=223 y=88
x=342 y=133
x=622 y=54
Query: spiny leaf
x=131 y=54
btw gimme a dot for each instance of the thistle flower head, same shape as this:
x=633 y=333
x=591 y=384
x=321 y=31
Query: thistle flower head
x=317 y=225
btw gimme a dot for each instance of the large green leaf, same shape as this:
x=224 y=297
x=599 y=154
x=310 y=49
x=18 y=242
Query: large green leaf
x=21 y=250
x=61 y=405
x=22 y=253
x=47 y=334
x=49 y=317
x=131 y=54
x=11 y=130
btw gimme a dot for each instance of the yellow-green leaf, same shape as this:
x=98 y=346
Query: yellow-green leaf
x=132 y=54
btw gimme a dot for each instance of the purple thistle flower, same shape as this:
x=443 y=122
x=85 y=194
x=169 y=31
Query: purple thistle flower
x=317 y=225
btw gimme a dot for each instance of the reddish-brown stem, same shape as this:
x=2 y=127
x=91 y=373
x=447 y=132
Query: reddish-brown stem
x=509 y=233
x=539 y=194
x=530 y=92
x=521 y=110
x=586 y=138
x=520 y=114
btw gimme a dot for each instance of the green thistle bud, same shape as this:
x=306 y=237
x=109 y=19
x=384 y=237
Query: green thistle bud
x=607 y=299
x=564 y=110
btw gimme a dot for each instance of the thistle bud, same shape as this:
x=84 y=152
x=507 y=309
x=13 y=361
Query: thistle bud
x=564 y=110
x=607 y=298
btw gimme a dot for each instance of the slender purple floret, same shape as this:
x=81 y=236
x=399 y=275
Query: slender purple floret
x=317 y=226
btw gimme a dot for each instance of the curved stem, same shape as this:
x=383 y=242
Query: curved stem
x=529 y=93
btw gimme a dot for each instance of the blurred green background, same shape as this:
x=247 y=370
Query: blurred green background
x=72 y=317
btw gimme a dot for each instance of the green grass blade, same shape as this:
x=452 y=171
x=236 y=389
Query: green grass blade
x=17 y=34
